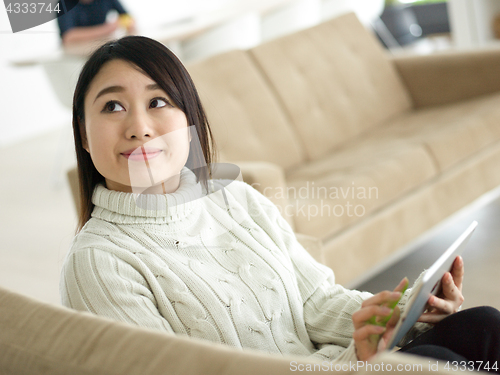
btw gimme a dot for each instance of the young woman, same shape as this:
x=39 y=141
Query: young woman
x=163 y=246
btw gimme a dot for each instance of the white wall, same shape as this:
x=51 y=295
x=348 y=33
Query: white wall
x=28 y=104
x=471 y=22
x=366 y=10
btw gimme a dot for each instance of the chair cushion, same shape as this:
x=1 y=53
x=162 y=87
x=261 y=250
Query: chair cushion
x=246 y=119
x=334 y=80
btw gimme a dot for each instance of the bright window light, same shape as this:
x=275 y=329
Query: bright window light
x=420 y=1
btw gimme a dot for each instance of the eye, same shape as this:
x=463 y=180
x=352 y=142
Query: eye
x=112 y=106
x=159 y=102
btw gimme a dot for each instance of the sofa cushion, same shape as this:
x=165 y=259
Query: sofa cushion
x=390 y=159
x=246 y=119
x=334 y=80
x=345 y=186
x=373 y=240
x=451 y=133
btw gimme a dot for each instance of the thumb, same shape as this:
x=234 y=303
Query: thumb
x=382 y=344
x=394 y=318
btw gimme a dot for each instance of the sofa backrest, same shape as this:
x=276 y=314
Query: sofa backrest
x=246 y=119
x=334 y=80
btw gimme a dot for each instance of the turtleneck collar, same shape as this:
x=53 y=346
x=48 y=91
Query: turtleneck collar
x=126 y=208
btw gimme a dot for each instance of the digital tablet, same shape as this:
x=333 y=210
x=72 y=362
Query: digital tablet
x=429 y=284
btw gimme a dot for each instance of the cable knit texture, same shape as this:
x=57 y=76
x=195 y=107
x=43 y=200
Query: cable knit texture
x=189 y=264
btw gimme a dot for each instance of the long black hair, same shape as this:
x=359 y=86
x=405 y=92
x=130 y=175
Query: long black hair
x=159 y=63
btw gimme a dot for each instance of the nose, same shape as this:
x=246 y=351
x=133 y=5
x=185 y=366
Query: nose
x=138 y=125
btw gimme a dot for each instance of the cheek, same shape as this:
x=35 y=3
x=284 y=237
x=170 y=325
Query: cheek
x=176 y=120
x=96 y=141
x=100 y=142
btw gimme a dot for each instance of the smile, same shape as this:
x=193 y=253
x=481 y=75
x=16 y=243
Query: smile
x=141 y=153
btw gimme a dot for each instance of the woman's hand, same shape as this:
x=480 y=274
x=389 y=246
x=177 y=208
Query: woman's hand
x=449 y=300
x=370 y=338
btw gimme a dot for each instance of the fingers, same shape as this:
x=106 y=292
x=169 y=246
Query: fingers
x=431 y=318
x=377 y=315
x=451 y=295
x=363 y=315
x=457 y=272
x=451 y=292
x=402 y=284
x=441 y=305
x=378 y=305
x=394 y=318
x=377 y=309
x=452 y=298
x=366 y=331
x=440 y=308
x=389 y=329
x=381 y=298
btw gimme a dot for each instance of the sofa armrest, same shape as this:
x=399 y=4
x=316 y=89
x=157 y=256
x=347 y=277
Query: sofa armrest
x=449 y=77
x=37 y=338
x=268 y=179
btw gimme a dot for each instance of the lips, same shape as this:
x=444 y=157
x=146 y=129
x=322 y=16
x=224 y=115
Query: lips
x=142 y=153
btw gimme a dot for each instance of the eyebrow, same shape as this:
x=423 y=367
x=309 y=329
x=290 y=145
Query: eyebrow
x=107 y=90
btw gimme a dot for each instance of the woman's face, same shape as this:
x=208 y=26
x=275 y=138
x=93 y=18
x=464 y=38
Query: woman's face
x=136 y=136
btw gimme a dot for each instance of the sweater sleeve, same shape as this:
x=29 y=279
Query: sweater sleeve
x=101 y=283
x=328 y=306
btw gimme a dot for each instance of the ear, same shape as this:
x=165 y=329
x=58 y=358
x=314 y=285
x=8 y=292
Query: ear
x=83 y=134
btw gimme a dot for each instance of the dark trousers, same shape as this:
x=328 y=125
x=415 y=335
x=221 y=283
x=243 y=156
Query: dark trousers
x=469 y=336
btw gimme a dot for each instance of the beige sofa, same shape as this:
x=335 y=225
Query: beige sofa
x=42 y=339
x=360 y=149
x=325 y=105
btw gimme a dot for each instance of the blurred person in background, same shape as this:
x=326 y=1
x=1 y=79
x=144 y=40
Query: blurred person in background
x=87 y=21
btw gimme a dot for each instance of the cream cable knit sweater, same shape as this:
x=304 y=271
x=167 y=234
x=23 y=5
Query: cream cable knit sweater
x=192 y=266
